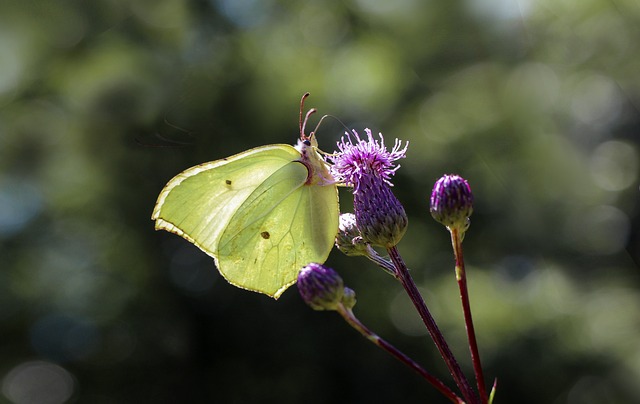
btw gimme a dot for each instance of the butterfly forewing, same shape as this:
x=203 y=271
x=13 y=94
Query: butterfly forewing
x=198 y=203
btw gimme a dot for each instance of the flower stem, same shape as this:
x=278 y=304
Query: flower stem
x=437 y=337
x=461 y=277
x=350 y=318
x=383 y=263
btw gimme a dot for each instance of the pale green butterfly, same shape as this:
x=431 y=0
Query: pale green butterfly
x=262 y=214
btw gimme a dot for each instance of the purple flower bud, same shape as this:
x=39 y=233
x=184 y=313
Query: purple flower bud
x=320 y=287
x=452 y=202
x=379 y=215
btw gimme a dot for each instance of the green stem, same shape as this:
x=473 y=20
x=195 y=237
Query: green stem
x=461 y=277
x=492 y=395
x=350 y=318
x=437 y=337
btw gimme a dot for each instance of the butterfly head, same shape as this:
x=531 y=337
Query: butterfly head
x=308 y=148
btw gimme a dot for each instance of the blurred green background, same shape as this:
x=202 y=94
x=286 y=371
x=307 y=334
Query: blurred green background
x=536 y=103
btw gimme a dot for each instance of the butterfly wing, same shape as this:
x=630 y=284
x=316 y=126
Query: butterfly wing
x=254 y=215
x=198 y=203
x=281 y=227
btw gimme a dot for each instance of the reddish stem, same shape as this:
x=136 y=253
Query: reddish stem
x=461 y=277
x=437 y=337
x=348 y=315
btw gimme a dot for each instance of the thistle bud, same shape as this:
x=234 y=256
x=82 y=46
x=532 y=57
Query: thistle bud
x=349 y=240
x=380 y=217
x=452 y=202
x=348 y=298
x=320 y=287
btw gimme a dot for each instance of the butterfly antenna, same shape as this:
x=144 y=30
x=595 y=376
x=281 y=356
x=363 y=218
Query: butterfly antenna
x=318 y=125
x=303 y=124
x=346 y=128
x=304 y=96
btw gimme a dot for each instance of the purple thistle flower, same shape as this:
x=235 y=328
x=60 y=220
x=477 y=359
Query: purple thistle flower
x=452 y=202
x=367 y=166
x=365 y=157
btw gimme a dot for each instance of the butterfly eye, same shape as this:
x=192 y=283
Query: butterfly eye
x=307 y=142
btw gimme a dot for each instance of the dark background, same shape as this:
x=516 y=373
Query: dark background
x=536 y=103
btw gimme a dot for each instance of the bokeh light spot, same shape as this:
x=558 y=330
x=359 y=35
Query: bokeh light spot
x=38 y=382
x=404 y=316
x=20 y=202
x=11 y=61
x=501 y=9
x=596 y=100
x=614 y=165
x=244 y=13
x=599 y=230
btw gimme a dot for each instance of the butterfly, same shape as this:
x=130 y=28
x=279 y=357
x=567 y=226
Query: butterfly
x=262 y=214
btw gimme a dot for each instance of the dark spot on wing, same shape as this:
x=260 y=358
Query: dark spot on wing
x=228 y=182
x=265 y=235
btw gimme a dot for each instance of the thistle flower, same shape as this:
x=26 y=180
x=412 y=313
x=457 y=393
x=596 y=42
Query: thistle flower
x=367 y=166
x=320 y=287
x=365 y=157
x=452 y=202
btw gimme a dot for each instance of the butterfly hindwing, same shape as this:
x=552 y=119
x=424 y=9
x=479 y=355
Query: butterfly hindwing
x=282 y=226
